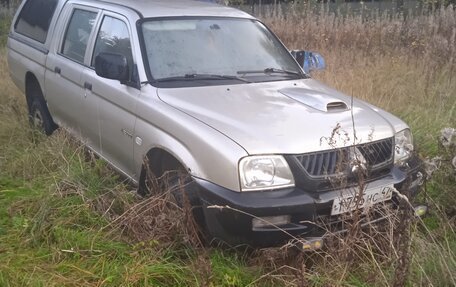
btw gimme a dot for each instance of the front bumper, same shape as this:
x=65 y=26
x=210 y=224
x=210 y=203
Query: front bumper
x=228 y=215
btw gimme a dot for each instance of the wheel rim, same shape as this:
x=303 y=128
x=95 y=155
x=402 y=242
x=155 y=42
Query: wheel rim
x=37 y=119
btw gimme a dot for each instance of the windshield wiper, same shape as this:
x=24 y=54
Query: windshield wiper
x=191 y=77
x=270 y=71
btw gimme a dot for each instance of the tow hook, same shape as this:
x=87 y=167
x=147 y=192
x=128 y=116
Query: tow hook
x=310 y=244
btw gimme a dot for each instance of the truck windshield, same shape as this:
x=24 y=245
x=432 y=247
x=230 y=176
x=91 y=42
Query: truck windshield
x=211 y=51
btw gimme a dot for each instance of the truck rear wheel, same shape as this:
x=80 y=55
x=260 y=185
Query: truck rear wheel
x=40 y=118
x=39 y=115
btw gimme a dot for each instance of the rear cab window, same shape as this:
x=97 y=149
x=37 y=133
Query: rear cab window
x=35 y=18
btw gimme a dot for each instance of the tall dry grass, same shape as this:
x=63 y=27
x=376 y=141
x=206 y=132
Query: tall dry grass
x=426 y=37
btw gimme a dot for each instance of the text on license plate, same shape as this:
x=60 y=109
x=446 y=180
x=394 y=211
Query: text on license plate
x=350 y=202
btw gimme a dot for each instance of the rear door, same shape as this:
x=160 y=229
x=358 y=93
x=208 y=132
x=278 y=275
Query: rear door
x=65 y=66
x=112 y=101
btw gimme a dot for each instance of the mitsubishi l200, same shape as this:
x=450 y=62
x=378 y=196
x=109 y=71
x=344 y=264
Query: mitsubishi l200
x=210 y=92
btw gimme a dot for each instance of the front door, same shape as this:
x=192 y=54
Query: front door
x=114 y=102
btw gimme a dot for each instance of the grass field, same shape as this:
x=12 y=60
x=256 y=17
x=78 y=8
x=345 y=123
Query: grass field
x=62 y=212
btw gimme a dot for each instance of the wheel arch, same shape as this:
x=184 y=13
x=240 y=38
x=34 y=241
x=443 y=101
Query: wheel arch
x=161 y=160
x=157 y=143
x=158 y=161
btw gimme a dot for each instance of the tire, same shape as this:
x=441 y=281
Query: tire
x=185 y=192
x=173 y=178
x=183 y=189
x=181 y=186
x=40 y=118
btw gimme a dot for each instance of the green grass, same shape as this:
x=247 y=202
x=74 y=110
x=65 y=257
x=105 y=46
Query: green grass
x=5 y=19
x=47 y=239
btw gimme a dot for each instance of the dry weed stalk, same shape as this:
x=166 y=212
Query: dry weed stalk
x=160 y=217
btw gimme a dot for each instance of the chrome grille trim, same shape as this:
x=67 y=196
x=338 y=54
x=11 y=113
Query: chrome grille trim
x=334 y=162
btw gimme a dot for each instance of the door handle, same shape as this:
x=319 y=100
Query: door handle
x=57 y=70
x=88 y=86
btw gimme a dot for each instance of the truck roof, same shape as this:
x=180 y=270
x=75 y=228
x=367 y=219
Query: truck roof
x=174 y=8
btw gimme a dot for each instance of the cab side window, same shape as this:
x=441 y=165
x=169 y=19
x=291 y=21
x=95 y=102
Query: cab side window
x=113 y=38
x=77 y=34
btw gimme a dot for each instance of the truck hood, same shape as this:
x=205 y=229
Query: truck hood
x=288 y=117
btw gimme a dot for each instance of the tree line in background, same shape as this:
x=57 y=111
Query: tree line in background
x=14 y=3
x=267 y=2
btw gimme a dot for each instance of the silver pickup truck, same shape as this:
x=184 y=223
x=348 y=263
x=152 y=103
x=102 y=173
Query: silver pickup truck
x=210 y=92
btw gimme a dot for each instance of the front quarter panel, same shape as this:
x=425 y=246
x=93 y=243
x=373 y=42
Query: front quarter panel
x=204 y=152
x=397 y=124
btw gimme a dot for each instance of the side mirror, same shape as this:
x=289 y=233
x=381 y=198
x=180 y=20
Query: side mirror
x=309 y=61
x=112 y=66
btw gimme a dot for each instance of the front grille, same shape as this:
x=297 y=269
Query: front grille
x=328 y=163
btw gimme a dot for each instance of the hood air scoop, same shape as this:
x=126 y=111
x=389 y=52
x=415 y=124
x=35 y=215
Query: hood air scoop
x=315 y=99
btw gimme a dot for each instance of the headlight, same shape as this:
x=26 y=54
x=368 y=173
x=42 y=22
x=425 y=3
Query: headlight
x=403 y=146
x=264 y=172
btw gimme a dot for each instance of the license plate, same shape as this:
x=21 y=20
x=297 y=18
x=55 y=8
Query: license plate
x=350 y=202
